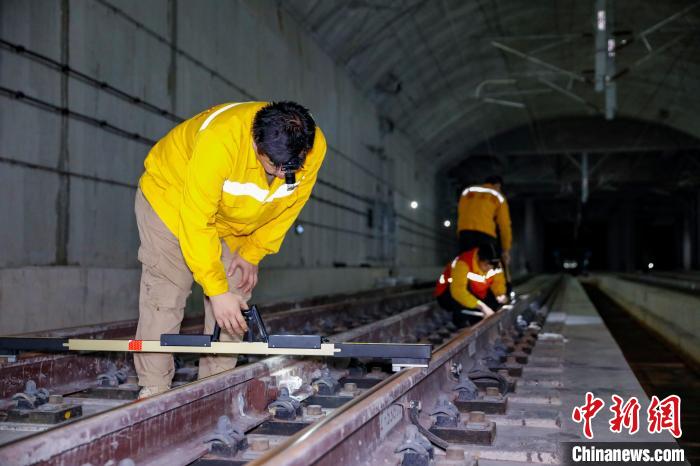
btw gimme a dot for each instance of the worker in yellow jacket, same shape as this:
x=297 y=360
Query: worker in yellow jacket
x=468 y=287
x=218 y=194
x=484 y=219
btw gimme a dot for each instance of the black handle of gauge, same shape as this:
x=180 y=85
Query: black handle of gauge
x=216 y=334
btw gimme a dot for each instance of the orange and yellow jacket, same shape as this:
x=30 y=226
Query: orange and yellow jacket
x=205 y=183
x=467 y=283
x=481 y=208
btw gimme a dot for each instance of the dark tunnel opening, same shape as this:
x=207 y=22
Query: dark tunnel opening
x=623 y=200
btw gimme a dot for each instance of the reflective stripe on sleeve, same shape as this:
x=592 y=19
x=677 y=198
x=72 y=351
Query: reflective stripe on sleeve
x=493 y=272
x=211 y=117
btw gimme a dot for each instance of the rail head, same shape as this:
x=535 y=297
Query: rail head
x=318 y=439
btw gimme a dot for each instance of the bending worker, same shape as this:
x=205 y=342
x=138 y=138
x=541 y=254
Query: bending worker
x=218 y=194
x=484 y=218
x=467 y=287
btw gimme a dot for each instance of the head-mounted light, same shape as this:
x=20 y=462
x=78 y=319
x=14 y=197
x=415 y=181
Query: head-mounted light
x=290 y=167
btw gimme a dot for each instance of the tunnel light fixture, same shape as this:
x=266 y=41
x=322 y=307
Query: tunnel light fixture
x=447 y=223
x=299 y=229
x=569 y=265
x=601 y=20
x=650 y=265
x=414 y=204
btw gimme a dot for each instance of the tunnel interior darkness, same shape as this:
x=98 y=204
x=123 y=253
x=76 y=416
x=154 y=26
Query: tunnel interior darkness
x=605 y=195
x=529 y=96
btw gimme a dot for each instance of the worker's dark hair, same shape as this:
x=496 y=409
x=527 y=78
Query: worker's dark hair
x=487 y=252
x=284 y=131
x=494 y=179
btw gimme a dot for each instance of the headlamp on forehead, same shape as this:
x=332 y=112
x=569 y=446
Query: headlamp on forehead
x=290 y=167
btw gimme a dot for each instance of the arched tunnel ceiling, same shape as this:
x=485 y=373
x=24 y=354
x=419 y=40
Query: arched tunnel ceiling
x=623 y=156
x=435 y=67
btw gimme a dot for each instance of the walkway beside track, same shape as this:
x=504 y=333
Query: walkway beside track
x=659 y=369
x=575 y=353
x=593 y=361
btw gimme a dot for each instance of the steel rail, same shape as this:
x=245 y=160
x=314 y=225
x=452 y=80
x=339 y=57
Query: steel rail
x=147 y=430
x=65 y=373
x=327 y=442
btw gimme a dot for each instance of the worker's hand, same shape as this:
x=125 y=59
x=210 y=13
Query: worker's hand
x=249 y=273
x=502 y=299
x=483 y=307
x=505 y=256
x=227 y=312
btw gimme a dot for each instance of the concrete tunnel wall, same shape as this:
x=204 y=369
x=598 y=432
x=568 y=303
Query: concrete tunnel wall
x=68 y=237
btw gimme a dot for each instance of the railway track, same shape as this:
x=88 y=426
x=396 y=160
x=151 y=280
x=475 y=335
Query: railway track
x=102 y=381
x=262 y=422
x=412 y=416
x=68 y=373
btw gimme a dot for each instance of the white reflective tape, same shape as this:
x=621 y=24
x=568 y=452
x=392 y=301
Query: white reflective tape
x=493 y=272
x=235 y=188
x=245 y=189
x=282 y=191
x=481 y=189
x=476 y=277
x=211 y=117
x=442 y=279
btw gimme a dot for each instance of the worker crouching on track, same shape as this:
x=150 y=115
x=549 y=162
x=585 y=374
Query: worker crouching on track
x=468 y=286
x=219 y=192
x=484 y=219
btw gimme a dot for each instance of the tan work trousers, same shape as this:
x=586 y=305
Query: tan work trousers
x=166 y=282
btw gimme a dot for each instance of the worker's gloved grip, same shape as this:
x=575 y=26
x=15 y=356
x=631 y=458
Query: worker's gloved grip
x=216 y=333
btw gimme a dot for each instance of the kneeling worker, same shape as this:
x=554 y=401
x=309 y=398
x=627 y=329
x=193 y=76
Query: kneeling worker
x=467 y=286
x=219 y=193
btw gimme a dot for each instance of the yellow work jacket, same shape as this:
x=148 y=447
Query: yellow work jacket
x=467 y=283
x=481 y=208
x=204 y=181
